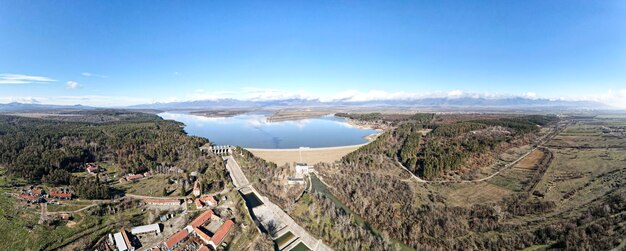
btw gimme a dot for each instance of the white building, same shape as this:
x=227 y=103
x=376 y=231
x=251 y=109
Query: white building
x=302 y=169
x=120 y=244
x=152 y=228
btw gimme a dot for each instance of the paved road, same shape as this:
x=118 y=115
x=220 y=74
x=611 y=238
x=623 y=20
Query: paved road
x=270 y=212
x=137 y=196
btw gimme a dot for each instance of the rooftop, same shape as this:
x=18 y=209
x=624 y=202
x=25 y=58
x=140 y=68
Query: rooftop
x=119 y=242
x=219 y=235
x=57 y=194
x=202 y=235
x=205 y=216
x=176 y=238
x=146 y=229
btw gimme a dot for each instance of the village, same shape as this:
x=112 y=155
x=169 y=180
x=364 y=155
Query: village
x=194 y=222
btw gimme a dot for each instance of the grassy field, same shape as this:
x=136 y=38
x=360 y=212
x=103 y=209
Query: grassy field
x=574 y=169
x=152 y=186
x=69 y=205
x=574 y=177
x=588 y=134
x=21 y=231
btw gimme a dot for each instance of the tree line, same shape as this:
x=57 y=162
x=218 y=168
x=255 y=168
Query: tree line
x=49 y=150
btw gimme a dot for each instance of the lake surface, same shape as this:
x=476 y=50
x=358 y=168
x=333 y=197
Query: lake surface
x=255 y=131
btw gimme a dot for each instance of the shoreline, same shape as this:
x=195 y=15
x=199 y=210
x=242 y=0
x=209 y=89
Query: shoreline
x=306 y=148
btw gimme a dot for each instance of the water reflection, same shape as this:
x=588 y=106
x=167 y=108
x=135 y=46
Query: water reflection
x=253 y=130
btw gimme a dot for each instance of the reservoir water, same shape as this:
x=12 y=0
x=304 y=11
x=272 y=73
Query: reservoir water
x=253 y=130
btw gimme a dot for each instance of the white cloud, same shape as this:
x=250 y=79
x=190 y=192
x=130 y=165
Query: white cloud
x=27 y=100
x=615 y=98
x=530 y=95
x=89 y=74
x=71 y=85
x=89 y=100
x=19 y=79
x=261 y=94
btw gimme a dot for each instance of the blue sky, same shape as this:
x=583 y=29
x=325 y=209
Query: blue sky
x=112 y=53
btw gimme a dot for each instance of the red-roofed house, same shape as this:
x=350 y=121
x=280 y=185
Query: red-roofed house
x=203 y=248
x=198 y=204
x=204 y=217
x=134 y=177
x=208 y=200
x=220 y=234
x=126 y=239
x=92 y=168
x=175 y=239
x=28 y=198
x=64 y=196
x=37 y=192
x=202 y=235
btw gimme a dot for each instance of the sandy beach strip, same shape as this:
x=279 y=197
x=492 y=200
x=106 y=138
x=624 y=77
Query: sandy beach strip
x=307 y=155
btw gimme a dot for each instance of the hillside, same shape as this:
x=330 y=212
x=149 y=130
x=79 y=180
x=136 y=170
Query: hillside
x=50 y=149
x=568 y=196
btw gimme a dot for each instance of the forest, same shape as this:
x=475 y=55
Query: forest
x=389 y=118
x=50 y=150
x=269 y=178
x=370 y=183
x=425 y=221
x=450 y=147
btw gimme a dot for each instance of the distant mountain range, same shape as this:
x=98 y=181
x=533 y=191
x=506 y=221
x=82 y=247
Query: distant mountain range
x=18 y=107
x=465 y=102
x=434 y=103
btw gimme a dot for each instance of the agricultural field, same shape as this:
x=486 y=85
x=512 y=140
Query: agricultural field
x=592 y=133
x=573 y=180
x=585 y=172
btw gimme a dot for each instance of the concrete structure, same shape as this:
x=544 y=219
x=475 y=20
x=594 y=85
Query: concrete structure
x=302 y=169
x=219 y=150
x=270 y=214
x=146 y=229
